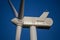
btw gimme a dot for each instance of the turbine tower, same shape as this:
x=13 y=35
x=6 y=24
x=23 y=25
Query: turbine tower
x=32 y=22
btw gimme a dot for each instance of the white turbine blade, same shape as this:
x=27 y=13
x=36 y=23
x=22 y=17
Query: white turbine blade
x=21 y=10
x=44 y=16
x=33 y=33
x=16 y=13
x=18 y=32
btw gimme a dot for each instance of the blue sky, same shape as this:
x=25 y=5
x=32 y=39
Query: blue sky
x=31 y=8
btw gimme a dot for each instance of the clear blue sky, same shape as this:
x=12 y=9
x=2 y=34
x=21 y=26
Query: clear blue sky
x=32 y=8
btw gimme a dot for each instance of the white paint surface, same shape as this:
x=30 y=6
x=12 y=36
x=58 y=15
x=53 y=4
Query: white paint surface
x=33 y=33
x=18 y=32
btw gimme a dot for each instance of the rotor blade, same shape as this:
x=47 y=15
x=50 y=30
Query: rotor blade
x=18 y=32
x=21 y=10
x=13 y=8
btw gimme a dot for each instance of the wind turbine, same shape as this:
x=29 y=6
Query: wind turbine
x=32 y=22
x=19 y=17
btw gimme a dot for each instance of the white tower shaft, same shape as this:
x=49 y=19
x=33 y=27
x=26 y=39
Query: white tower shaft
x=33 y=33
x=18 y=32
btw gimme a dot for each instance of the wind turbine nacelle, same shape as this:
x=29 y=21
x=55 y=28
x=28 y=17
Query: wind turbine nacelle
x=28 y=21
